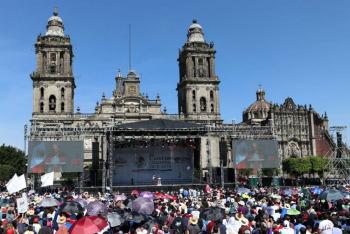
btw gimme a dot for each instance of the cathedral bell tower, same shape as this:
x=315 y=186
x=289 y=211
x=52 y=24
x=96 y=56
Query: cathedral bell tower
x=53 y=81
x=198 y=88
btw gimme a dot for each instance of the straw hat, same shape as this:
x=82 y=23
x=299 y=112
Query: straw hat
x=30 y=212
x=62 y=219
x=241 y=219
x=193 y=220
x=241 y=203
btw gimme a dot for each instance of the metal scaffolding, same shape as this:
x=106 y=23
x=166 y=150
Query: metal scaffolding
x=338 y=166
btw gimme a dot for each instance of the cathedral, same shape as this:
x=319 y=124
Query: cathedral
x=127 y=116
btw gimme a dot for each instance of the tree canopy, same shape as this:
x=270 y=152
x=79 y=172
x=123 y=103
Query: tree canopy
x=12 y=160
x=305 y=165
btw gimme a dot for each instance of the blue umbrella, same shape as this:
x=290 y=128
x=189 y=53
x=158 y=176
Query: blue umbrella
x=243 y=190
x=316 y=190
x=331 y=195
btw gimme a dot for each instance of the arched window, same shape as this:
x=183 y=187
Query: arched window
x=53 y=69
x=62 y=107
x=42 y=92
x=53 y=57
x=194 y=107
x=41 y=107
x=212 y=108
x=52 y=103
x=62 y=92
x=211 y=95
x=200 y=62
x=194 y=94
x=203 y=104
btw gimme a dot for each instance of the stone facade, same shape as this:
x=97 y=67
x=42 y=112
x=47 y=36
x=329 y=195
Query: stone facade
x=299 y=130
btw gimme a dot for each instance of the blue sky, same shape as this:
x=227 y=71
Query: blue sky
x=292 y=48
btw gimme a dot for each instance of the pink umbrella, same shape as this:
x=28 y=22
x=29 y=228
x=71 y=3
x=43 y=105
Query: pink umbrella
x=143 y=205
x=96 y=208
x=147 y=194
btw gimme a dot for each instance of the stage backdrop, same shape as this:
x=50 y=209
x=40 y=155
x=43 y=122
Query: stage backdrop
x=255 y=154
x=139 y=164
x=57 y=156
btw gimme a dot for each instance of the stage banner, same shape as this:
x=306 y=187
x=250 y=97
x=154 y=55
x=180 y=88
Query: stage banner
x=55 y=156
x=144 y=165
x=255 y=154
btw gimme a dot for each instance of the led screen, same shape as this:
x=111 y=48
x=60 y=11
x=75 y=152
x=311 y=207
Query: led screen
x=57 y=156
x=255 y=154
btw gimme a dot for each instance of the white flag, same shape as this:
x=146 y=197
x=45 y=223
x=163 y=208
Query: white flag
x=21 y=182
x=47 y=179
x=17 y=183
x=11 y=185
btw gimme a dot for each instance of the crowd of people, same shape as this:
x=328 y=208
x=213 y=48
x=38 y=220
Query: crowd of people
x=186 y=210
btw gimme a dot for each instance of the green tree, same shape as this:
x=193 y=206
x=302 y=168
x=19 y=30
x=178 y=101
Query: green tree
x=12 y=160
x=296 y=166
x=319 y=164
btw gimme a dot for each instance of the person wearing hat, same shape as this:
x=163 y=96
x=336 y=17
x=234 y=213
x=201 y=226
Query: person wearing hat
x=62 y=228
x=193 y=227
x=244 y=229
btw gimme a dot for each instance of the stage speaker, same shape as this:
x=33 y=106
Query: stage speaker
x=196 y=154
x=223 y=151
x=230 y=174
x=95 y=155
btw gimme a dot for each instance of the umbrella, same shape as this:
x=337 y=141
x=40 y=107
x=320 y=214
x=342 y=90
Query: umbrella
x=48 y=202
x=121 y=197
x=331 y=195
x=81 y=201
x=316 y=190
x=243 y=190
x=134 y=217
x=143 y=205
x=96 y=208
x=306 y=192
x=72 y=207
x=114 y=219
x=147 y=194
x=287 y=192
x=88 y=225
x=293 y=212
x=213 y=213
x=168 y=196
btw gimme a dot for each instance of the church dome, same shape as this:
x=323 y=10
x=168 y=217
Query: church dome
x=55 y=25
x=260 y=104
x=259 y=110
x=195 y=32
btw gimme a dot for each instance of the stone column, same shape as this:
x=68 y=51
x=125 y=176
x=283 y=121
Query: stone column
x=212 y=66
x=39 y=62
x=312 y=134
